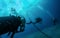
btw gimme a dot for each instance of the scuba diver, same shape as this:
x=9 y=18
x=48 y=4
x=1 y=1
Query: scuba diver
x=22 y=21
x=37 y=20
x=55 y=21
x=11 y=23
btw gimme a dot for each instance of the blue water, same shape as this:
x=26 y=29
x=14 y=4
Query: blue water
x=45 y=9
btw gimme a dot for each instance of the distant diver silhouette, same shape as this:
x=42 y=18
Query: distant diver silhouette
x=37 y=20
x=55 y=21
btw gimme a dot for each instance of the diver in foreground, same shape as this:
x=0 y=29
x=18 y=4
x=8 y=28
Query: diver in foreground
x=11 y=24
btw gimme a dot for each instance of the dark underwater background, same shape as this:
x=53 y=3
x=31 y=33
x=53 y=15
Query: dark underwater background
x=47 y=10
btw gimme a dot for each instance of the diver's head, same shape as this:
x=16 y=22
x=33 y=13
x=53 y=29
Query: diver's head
x=38 y=20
